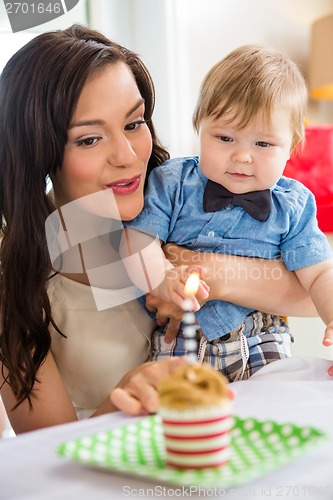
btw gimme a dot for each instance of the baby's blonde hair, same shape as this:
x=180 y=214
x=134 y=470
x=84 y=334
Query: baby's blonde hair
x=250 y=79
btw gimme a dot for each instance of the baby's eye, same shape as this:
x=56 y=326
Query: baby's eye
x=263 y=144
x=88 y=141
x=135 y=125
x=225 y=138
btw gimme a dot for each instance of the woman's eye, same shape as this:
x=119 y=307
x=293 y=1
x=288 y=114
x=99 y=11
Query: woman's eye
x=263 y=144
x=224 y=138
x=135 y=125
x=88 y=141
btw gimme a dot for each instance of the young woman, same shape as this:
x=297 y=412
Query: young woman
x=76 y=108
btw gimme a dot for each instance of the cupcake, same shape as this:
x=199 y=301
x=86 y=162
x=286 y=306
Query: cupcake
x=195 y=408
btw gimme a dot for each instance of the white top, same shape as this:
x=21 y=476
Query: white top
x=101 y=346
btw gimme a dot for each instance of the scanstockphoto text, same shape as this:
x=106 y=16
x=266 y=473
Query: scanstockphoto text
x=276 y=491
x=184 y=491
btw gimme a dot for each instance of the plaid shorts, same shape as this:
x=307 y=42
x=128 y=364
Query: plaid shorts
x=259 y=340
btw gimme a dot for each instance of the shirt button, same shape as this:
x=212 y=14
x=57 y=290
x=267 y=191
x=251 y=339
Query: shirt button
x=211 y=234
x=229 y=207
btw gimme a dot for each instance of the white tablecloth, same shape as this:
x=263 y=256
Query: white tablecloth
x=294 y=390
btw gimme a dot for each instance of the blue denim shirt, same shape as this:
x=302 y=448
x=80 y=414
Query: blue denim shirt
x=173 y=212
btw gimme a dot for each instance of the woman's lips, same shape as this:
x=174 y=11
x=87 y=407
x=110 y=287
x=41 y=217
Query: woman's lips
x=125 y=186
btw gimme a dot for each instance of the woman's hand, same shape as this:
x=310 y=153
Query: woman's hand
x=171 y=313
x=167 y=299
x=136 y=392
x=165 y=312
x=172 y=288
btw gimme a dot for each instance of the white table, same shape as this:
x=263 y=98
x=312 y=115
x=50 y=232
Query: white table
x=295 y=390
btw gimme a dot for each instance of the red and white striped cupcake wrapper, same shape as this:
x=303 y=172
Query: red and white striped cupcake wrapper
x=197 y=439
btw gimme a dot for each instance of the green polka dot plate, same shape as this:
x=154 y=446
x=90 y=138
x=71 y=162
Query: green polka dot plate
x=257 y=447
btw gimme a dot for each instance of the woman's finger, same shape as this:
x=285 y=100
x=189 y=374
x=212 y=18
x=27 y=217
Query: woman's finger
x=125 y=402
x=172 y=330
x=136 y=401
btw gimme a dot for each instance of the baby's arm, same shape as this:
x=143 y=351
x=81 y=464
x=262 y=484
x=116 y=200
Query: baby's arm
x=318 y=280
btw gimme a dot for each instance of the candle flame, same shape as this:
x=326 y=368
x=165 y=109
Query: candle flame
x=192 y=284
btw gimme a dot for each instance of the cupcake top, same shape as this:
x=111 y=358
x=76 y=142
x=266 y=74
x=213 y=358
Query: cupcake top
x=193 y=386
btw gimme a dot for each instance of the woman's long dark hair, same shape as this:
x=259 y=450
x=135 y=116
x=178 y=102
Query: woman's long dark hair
x=39 y=89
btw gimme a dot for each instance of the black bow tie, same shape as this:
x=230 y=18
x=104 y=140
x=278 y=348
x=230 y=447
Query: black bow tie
x=256 y=203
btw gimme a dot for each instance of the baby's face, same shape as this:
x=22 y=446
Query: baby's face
x=245 y=159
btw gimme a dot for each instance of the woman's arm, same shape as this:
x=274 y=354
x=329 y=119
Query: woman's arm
x=51 y=406
x=135 y=394
x=250 y=282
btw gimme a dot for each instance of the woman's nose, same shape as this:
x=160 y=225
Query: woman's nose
x=121 y=152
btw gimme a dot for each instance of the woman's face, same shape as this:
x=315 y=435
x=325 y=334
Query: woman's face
x=109 y=143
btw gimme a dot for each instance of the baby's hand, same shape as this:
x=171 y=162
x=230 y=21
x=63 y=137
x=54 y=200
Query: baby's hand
x=328 y=341
x=328 y=337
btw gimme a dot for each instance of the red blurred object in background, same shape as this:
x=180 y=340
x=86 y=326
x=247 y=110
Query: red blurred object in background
x=313 y=166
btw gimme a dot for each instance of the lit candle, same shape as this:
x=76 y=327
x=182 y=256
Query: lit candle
x=189 y=322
